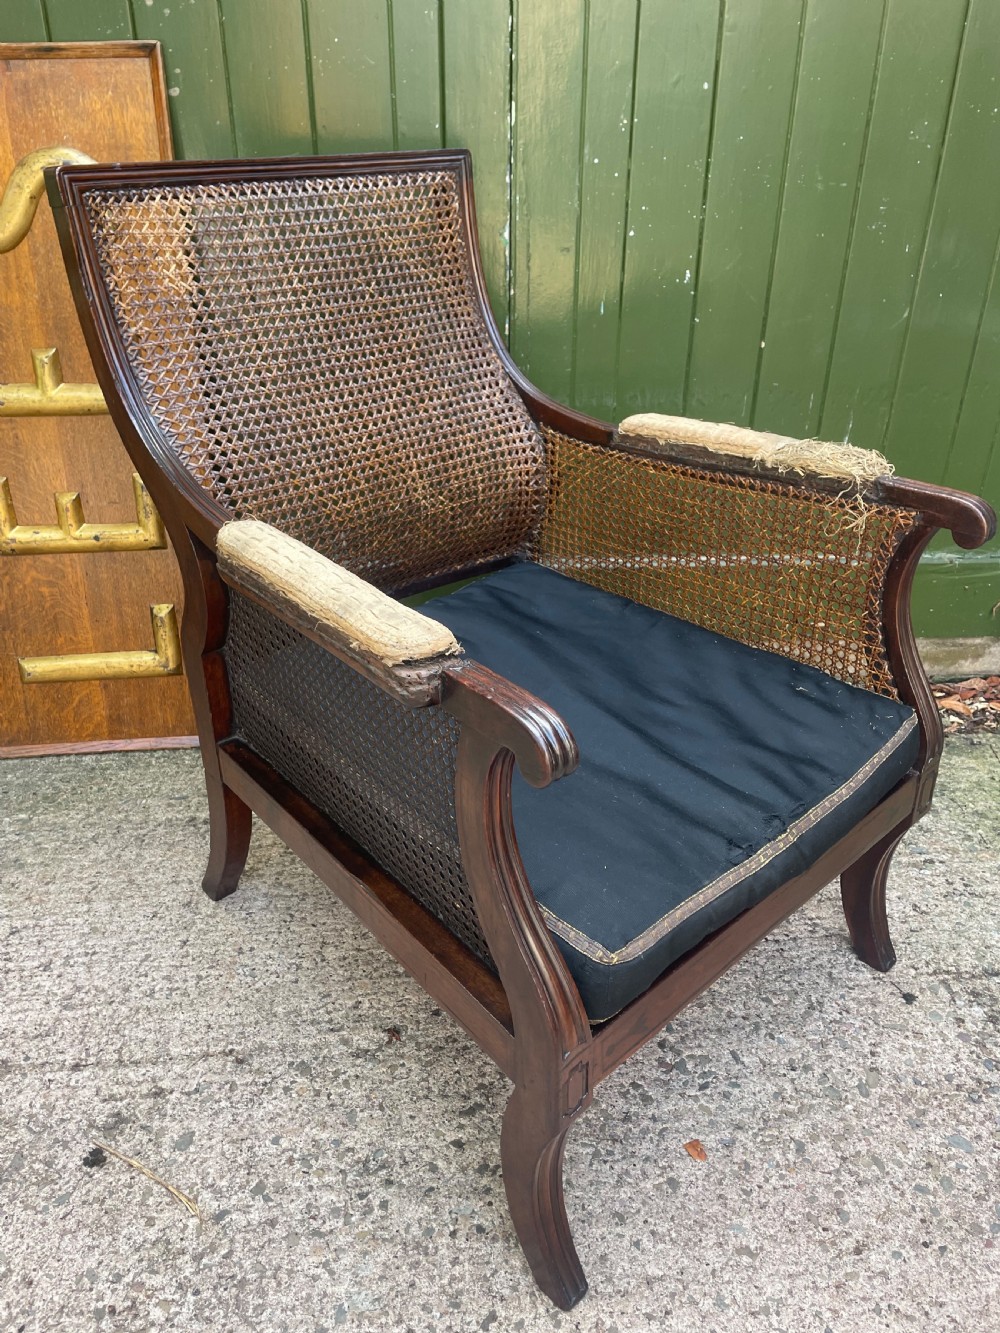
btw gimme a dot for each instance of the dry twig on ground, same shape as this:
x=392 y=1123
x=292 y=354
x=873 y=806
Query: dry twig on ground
x=179 y=1195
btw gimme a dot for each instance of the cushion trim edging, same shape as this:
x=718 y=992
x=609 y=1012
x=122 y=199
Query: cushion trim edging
x=635 y=948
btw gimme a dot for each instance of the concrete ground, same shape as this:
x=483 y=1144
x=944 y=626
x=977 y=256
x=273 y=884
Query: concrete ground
x=340 y=1134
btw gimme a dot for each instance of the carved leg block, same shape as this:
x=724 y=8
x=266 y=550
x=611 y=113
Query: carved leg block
x=862 y=890
x=531 y=1151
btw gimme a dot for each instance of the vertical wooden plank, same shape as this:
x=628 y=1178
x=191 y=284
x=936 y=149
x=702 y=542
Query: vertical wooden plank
x=840 y=49
x=989 y=485
x=352 y=75
x=973 y=462
x=549 y=72
x=974 y=465
x=604 y=175
x=265 y=50
x=416 y=67
x=957 y=263
x=476 y=104
x=196 y=75
x=89 y=20
x=23 y=21
x=909 y=112
x=675 y=76
x=759 y=58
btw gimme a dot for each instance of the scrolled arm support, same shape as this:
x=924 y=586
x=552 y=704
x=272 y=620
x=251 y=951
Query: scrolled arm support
x=513 y=719
x=970 y=520
x=501 y=725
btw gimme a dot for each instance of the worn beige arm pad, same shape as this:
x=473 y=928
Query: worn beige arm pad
x=326 y=601
x=770 y=453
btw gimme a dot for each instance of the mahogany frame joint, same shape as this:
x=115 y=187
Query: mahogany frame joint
x=576 y=1089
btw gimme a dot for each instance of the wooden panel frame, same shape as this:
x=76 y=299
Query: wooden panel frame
x=151 y=52
x=92 y=699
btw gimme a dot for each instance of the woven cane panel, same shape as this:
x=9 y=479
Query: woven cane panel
x=383 y=773
x=314 y=352
x=776 y=567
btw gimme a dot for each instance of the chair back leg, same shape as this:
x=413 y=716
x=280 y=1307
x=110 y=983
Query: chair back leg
x=862 y=890
x=229 y=832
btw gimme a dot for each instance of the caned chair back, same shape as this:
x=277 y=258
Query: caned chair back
x=311 y=343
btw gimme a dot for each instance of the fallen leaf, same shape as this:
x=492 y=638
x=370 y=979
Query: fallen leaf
x=955 y=706
x=696 y=1149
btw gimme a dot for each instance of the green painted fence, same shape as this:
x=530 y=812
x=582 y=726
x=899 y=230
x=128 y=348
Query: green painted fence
x=778 y=212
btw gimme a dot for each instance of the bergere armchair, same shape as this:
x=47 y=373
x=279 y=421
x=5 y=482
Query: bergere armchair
x=674 y=693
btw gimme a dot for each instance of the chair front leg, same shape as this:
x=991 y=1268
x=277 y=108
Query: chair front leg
x=552 y=1037
x=532 y=1141
x=203 y=632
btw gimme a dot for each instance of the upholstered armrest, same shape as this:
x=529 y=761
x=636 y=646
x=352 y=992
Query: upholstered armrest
x=799 y=547
x=392 y=644
x=759 y=451
x=861 y=473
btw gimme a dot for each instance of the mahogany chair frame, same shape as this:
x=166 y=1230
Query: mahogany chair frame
x=530 y=1018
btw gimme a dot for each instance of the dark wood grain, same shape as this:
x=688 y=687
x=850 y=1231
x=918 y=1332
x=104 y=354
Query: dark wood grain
x=551 y=1082
x=908 y=670
x=862 y=891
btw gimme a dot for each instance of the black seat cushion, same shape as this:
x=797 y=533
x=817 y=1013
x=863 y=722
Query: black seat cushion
x=710 y=773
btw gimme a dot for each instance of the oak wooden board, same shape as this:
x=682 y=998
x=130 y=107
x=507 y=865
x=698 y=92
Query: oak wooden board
x=107 y=100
